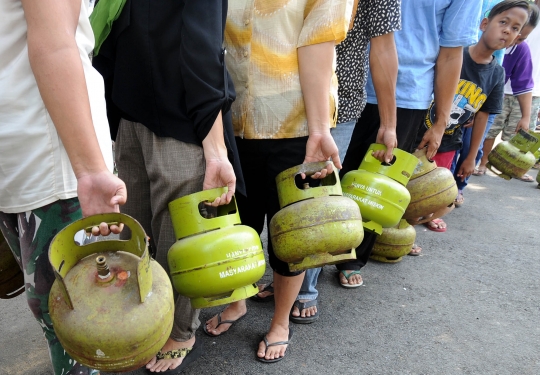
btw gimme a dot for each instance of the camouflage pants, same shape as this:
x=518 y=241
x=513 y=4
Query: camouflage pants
x=508 y=119
x=29 y=235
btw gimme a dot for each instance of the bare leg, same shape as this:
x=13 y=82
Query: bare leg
x=285 y=292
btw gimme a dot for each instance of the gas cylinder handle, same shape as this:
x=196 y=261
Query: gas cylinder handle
x=187 y=220
x=399 y=169
x=65 y=253
x=289 y=193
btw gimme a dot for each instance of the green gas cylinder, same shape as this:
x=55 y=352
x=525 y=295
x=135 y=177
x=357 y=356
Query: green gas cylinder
x=394 y=243
x=216 y=260
x=379 y=188
x=11 y=276
x=513 y=158
x=316 y=225
x=111 y=305
x=433 y=190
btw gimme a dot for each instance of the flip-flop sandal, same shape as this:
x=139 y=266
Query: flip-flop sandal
x=435 y=229
x=526 y=178
x=220 y=322
x=267 y=344
x=189 y=354
x=479 y=172
x=347 y=276
x=268 y=288
x=460 y=199
x=302 y=306
x=415 y=247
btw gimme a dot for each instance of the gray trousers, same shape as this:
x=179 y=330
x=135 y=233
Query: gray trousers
x=156 y=171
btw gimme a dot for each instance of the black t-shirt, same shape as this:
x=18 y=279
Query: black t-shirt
x=481 y=88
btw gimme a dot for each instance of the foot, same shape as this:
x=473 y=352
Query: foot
x=232 y=313
x=305 y=313
x=527 y=178
x=436 y=225
x=355 y=279
x=415 y=250
x=480 y=171
x=276 y=334
x=263 y=294
x=460 y=199
x=160 y=365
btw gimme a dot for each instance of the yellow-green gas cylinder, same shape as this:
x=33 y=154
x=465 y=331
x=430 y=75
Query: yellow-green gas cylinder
x=433 y=189
x=316 y=225
x=514 y=158
x=394 y=243
x=11 y=276
x=111 y=305
x=216 y=260
x=379 y=188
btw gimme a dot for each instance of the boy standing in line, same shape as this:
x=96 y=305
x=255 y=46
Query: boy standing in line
x=479 y=92
x=517 y=102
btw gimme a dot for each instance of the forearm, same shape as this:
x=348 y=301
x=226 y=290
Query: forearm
x=315 y=69
x=525 y=103
x=57 y=67
x=214 y=143
x=383 y=62
x=447 y=73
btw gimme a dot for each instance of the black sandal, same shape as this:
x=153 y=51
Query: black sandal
x=267 y=288
x=267 y=344
x=302 y=306
x=220 y=322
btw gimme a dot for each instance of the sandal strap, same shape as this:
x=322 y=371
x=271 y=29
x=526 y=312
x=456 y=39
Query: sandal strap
x=171 y=354
x=304 y=305
x=347 y=275
x=274 y=343
x=220 y=322
x=268 y=288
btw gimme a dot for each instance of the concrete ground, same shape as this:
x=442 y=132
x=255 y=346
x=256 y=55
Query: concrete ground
x=468 y=305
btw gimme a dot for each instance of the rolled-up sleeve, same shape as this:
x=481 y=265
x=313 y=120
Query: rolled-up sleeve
x=209 y=89
x=325 y=21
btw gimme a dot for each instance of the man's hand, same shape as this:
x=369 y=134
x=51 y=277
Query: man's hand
x=523 y=124
x=467 y=168
x=101 y=192
x=388 y=138
x=220 y=173
x=321 y=147
x=432 y=139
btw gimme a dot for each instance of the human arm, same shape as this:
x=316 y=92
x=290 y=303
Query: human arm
x=383 y=63
x=478 y=129
x=447 y=72
x=204 y=74
x=219 y=171
x=315 y=70
x=525 y=103
x=54 y=59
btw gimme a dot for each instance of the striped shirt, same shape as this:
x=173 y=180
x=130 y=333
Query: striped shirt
x=262 y=38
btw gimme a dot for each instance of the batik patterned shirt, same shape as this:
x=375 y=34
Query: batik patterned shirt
x=262 y=39
x=373 y=18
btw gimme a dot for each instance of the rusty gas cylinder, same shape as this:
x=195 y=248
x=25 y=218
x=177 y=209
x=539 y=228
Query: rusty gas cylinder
x=111 y=304
x=433 y=190
x=394 y=243
x=316 y=225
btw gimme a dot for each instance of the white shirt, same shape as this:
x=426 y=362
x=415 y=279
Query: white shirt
x=34 y=166
x=534 y=44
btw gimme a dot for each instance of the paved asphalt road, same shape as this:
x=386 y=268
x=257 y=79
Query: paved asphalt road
x=468 y=305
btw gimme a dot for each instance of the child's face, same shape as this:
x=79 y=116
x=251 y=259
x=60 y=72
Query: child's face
x=502 y=30
x=525 y=32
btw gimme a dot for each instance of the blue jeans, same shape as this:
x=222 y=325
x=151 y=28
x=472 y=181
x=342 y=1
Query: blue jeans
x=464 y=152
x=342 y=136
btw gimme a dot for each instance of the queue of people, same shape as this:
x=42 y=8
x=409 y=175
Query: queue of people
x=198 y=95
